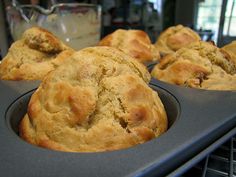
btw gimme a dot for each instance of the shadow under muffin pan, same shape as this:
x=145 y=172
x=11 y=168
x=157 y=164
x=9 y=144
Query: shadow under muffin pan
x=197 y=118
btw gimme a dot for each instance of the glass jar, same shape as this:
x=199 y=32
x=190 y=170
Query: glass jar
x=77 y=24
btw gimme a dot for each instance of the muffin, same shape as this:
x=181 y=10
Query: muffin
x=98 y=100
x=199 y=65
x=135 y=43
x=33 y=56
x=231 y=50
x=174 y=38
x=230 y=47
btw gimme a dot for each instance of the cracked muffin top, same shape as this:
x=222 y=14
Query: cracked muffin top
x=174 y=38
x=33 y=56
x=231 y=50
x=230 y=47
x=135 y=43
x=199 y=65
x=98 y=101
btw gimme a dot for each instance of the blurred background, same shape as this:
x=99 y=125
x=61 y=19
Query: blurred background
x=214 y=20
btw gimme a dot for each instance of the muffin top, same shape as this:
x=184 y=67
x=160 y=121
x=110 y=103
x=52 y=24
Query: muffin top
x=199 y=65
x=174 y=38
x=231 y=50
x=33 y=56
x=230 y=47
x=135 y=43
x=98 y=101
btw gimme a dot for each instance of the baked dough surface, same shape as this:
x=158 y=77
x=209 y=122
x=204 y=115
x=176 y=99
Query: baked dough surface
x=33 y=56
x=174 y=38
x=97 y=101
x=199 y=65
x=135 y=43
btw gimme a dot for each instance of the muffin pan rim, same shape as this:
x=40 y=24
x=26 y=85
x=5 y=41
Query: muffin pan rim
x=19 y=99
x=140 y=160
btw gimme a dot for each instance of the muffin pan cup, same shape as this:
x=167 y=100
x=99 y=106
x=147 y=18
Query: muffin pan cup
x=197 y=118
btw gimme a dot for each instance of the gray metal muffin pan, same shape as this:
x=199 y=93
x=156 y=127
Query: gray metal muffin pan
x=197 y=119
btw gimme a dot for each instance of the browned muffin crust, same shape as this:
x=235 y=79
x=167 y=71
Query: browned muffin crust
x=135 y=43
x=33 y=56
x=199 y=65
x=231 y=50
x=174 y=38
x=97 y=101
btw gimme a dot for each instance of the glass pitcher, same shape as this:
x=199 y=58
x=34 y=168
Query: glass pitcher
x=77 y=24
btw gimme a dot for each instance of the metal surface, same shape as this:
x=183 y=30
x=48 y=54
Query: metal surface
x=191 y=169
x=202 y=118
x=221 y=162
x=216 y=160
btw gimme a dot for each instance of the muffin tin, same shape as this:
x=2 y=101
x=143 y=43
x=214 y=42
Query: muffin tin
x=197 y=118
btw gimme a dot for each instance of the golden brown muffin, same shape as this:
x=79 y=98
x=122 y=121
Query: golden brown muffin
x=230 y=47
x=33 y=56
x=219 y=80
x=231 y=50
x=174 y=38
x=200 y=65
x=135 y=43
x=96 y=102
